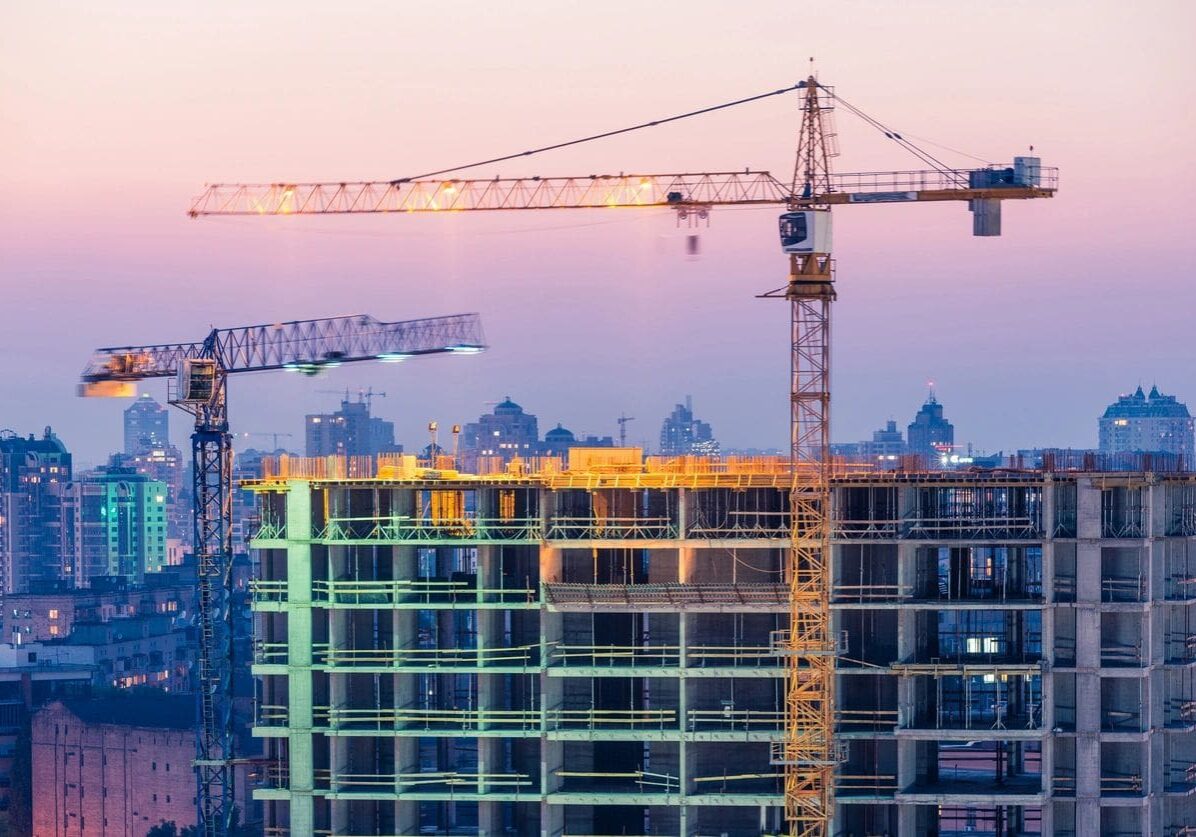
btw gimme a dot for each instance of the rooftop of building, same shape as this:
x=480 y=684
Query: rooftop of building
x=613 y=467
x=143 y=708
x=1146 y=405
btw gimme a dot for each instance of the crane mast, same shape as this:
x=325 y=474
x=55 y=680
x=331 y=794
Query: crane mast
x=202 y=369
x=808 y=751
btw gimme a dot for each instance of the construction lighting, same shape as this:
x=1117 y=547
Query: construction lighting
x=465 y=350
x=393 y=357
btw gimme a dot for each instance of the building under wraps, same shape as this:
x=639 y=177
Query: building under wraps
x=592 y=648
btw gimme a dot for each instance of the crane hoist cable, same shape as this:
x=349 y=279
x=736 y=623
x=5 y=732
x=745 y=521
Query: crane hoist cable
x=603 y=135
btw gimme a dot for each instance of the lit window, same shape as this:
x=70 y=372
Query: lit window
x=53 y=613
x=53 y=630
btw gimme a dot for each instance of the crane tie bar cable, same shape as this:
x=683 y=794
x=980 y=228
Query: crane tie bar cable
x=603 y=135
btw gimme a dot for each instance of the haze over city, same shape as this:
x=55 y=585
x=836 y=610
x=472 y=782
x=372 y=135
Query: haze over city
x=114 y=116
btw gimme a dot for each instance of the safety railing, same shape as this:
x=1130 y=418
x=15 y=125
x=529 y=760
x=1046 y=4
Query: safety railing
x=610 y=719
x=866 y=530
x=1123 y=589
x=870 y=592
x=972 y=528
x=865 y=720
x=351 y=593
x=422 y=719
x=270 y=653
x=1121 y=655
x=740 y=783
x=429 y=782
x=865 y=784
x=266 y=530
x=610 y=528
x=732 y=656
x=1121 y=720
x=729 y=719
x=614 y=656
x=1180 y=587
x=672 y=595
x=740 y=525
x=268 y=591
x=637 y=781
x=271 y=715
x=1063 y=784
x=410 y=529
x=432 y=658
x=1180 y=649
x=1126 y=784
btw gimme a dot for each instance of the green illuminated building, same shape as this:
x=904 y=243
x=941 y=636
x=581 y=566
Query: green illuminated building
x=115 y=525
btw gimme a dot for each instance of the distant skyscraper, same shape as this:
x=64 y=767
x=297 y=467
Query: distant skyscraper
x=507 y=432
x=929 y=433
x=33 y=473
x=683 y=434
x=147 y=425
x=350 y=431
x=1153 y=423
x=115 y=525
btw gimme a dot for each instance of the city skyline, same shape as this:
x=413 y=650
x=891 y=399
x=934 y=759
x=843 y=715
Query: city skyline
x=145 y=152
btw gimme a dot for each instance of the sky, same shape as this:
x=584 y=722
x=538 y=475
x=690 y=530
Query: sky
x=113 y=115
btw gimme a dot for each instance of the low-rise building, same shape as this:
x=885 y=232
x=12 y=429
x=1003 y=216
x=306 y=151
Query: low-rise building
x=113 y=766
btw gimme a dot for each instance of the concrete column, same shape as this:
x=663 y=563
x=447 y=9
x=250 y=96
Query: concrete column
x=299 y=658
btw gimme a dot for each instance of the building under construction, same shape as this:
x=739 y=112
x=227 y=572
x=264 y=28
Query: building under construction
x=598 y=647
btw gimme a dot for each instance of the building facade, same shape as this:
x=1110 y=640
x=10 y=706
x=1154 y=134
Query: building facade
x=147 y=426
x=1148 y=423
x=350 y=431
x=115 y=525
x=930 y=435
x=681 y=434
x=593 y=650
x=113 y=766
x=506 y=433
x=33 y=472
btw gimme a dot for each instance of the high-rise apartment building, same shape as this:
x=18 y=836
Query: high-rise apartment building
x=930 y=435
x=167 y=465
x=681 y=434
x=33 y=472
x=350 y=431
x=593 y=649
x=114 y=522
x=1148 y=423
x=147 y=425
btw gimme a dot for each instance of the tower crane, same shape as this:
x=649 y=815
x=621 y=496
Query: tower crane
x=623 y=421
x=808 y=753
x=201 y=371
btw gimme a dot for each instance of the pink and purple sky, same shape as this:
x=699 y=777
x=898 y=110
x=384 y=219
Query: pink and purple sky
x=113 y=115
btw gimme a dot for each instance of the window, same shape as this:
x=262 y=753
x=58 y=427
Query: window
x=53 y=613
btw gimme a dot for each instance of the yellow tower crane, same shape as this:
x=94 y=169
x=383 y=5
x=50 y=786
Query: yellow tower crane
x=808 y=752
